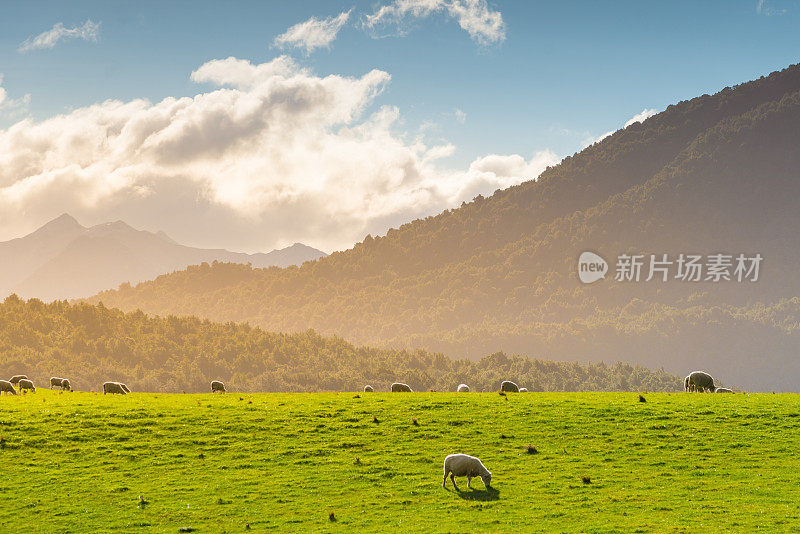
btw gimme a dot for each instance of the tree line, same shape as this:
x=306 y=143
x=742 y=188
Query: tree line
x=90 y=344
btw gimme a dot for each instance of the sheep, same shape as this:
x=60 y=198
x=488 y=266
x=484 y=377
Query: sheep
x=113 y=387
x=701 y=381
x=56 y=382
x=523 y=390
x=217 y=386
x=463 y=465
x=723 y=390
x=7 y=387
x=508 y=385
x=26 y=385
x=65 y=385
x=16 y=378
x=463 y=388
x=398 y=387
x=368 y=389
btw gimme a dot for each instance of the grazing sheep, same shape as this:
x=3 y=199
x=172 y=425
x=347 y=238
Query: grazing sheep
x=463 y=388
x=7 y=387
x=701 y=381
x=124 y=387
x=368 y=389
x=56 y=382
x=400 y=387
x=723 y=390
x=463 y=465
x=16 y=378
x=26 y=385
x=65 y=385
x=217 y=386
x=508 y=385
x=113 y=387
x=523 y=390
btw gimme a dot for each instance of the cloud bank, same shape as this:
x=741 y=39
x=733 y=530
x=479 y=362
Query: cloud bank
x=272 y=154
x=483 y=25
x=90 y=31
x=313 y=33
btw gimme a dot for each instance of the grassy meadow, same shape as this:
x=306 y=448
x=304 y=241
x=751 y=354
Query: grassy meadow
x=83 y=462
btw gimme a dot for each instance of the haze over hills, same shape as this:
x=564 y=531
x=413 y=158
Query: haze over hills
x=715 y=174
x=64 y=259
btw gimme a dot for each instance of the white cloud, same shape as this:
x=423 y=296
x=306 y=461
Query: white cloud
x=88 y=32
x=639 y=117
x=483 y=25
x=763 y=8
x=13 y=105
x=460 y=116
x=508 y=170
x=313 y=33
x=274 y=154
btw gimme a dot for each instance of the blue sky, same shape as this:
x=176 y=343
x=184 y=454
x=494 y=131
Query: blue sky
x=562 y=73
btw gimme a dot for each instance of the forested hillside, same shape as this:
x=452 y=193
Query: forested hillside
x=716 y=174
x=91 y=344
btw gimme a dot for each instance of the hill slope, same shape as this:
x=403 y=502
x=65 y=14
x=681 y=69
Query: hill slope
x=716 y=174
x=64 y=259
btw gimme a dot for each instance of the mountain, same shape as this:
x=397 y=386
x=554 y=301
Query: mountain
x=64 y=259
x=717 y=174
x=93 y=344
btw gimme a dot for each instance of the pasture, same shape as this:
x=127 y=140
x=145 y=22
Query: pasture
x=286 y=462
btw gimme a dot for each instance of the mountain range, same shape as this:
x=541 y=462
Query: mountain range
x=64 y=260
x=717 y=174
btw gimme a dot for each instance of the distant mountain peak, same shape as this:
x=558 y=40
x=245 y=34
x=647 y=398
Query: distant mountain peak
x=63 y=220
x=64 y=223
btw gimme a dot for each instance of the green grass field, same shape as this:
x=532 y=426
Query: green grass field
x=78 y=462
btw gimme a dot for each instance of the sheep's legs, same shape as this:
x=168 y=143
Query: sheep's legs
x=469 y=481
x=453 y=479
x=444 y=480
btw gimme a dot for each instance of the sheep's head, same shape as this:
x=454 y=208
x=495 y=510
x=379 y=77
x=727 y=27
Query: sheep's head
x=487 y=479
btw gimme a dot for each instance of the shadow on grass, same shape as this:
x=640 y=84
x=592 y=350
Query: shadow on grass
x=488 y=494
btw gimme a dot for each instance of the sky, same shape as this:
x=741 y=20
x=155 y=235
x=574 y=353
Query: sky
x=254 y=125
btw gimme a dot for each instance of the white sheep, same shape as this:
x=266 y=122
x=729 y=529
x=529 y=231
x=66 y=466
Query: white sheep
x=56 y=382
x=400 y=387
x=508 y=385
x=723 y=390
x=523 y=390
x=368 y=389
x=700 y=381
x=217 y=386
x=16 y=378
x=7 y=387
x=113 y=387
x=464 y=465
x=463 y=388
x=26 y=384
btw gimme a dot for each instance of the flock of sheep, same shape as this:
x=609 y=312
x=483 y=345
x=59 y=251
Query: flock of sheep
x=25 y=384
x=399 y=387
x=694 y=381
